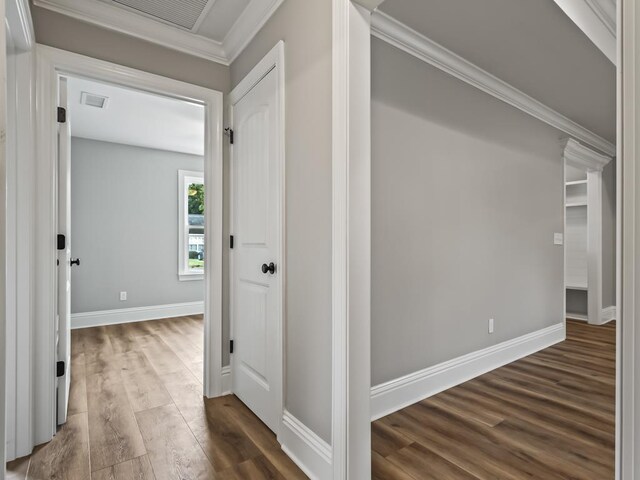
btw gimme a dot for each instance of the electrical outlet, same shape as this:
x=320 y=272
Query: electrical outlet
x=558 y=238
x=491 y=325
x=123 y=296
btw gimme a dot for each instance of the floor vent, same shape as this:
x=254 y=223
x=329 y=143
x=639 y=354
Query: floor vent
x=181 y=13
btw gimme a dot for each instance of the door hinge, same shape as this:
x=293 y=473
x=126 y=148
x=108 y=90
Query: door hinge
x=62 y=115
x=231 y=241
x=62 y=242
x=229 y=133
x=60 y=369
x=230 y=346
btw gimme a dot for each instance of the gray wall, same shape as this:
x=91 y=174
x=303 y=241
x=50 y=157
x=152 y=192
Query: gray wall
x=467 y=194
x=609 y=235
x=124 y=213
x=305 y=26
x=67 y=33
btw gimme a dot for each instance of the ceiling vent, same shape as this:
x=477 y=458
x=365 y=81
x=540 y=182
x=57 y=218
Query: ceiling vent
x=93 y=100
x=180 y=13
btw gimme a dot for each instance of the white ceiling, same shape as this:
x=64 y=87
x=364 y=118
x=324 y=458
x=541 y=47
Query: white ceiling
x=217 y=30
x=530 y=44
x=137 y=118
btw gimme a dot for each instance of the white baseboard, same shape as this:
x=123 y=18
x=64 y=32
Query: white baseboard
x=226 y=380
x=305 y=448
x=397 y=394
x=135 y=314
x=608 y=314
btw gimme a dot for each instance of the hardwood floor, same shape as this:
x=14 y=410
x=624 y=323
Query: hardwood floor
x=136 y=411
x=547 y=416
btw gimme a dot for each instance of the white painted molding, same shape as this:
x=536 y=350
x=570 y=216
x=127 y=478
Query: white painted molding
x=226 y=380
x=247 y=26
x=18 y=17
x=135 y=314
x=396 y=394
x=305 y=448
x=119 y=19
x=583 y=157
x=351 y=241
x=608 y=314
x=399 y=35
x=597 y=19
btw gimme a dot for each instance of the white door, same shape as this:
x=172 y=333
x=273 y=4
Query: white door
x=256 y=361
x=63 y=330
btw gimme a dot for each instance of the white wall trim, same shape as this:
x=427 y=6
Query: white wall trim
x=607 y=315
x=351 y=241
x=394 y=395
x=399 y=35
x=135 y=314
x=20 y=25
x=109 y=16
x=51 y=64
x=584 y=157
x=247 y=26
x=305 y=448
x=226 y=380
x=597 y=19
x=20 y=218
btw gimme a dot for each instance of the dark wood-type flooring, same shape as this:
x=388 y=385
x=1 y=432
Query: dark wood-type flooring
x=549 y=416
x=137 y=412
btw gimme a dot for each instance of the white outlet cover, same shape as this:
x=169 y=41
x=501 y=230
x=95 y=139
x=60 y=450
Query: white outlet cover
x=558 y=239
x=123 y=296
x=491 y=325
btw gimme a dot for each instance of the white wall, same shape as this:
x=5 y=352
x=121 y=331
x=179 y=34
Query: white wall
x=467 y=194
x=124 y=220
x=305 y=26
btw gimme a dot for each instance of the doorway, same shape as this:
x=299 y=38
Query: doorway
x=56 y=65
x=131 y=229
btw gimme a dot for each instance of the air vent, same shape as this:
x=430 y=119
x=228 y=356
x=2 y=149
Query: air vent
x=93 y=100
x=181 y=13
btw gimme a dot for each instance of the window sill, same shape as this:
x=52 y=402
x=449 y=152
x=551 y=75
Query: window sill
x=189 y=277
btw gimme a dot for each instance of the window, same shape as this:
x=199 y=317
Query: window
x=191 y=225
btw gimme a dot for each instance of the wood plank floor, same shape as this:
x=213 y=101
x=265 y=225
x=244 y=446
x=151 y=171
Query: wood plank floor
x=137 y=412
x=548 y=416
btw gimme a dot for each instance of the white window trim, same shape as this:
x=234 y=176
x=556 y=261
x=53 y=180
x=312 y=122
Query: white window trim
x=184 y=176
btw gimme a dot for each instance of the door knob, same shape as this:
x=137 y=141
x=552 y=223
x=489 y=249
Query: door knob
x=271 y=268
x=74 y=261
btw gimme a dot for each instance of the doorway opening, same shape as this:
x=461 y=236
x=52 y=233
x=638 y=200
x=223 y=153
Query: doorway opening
x=131 y=240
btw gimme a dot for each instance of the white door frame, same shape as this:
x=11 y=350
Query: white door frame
x=20 y=168
x=51 y=64
x=628 y=411
x=351 y=252
x=273 y=61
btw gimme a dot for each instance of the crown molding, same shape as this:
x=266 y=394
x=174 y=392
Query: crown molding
x=247 y=26
x=578 y=155
x=121 y=20
x=597 y=19
x=400 y=36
